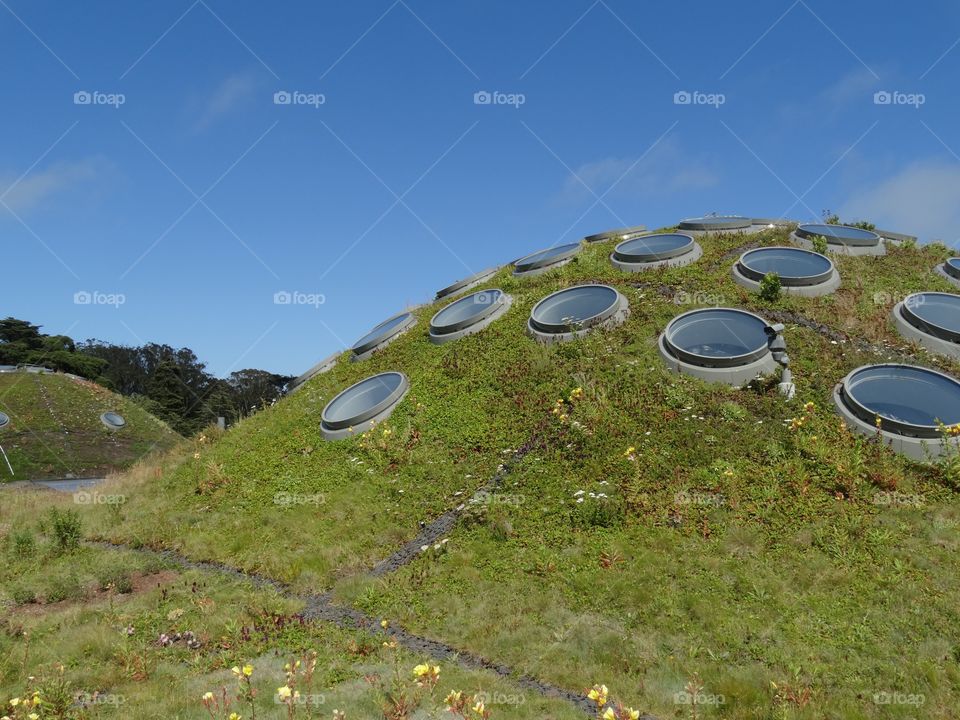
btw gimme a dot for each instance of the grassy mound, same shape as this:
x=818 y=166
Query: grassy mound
x=697 y=548
x=55 y=428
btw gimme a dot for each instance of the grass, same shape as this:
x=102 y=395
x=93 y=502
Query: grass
x=55 y=428
x=667 y=535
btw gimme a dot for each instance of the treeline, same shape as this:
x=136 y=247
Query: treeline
x=172 y=383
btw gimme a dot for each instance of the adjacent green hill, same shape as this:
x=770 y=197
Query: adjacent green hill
x=657 y=534
x=55 y=429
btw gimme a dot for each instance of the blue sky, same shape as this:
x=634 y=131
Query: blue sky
x=186 y=190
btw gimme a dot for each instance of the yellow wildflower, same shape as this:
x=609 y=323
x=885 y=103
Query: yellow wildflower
x=609 y=714
x=208 y=696
x=284 y=692
x=248 y=670
x=598 y=693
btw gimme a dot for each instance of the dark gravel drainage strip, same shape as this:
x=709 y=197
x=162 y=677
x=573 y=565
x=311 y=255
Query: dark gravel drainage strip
x=322 y=608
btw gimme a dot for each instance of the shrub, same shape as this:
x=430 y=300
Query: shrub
x=66 y=528
x=116 y=577
x=819 y=244
x=770 y=287
x=64 y=587
x=22 y=595
x=23 y=543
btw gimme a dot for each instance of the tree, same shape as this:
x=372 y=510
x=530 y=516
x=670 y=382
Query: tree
x=167 y=391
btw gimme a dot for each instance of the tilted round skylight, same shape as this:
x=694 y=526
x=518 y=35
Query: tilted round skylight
x=382 y=334
x=362 y=405
x=468 y=315
x=541 y=260
x=911 y=403
x=4 y=419
x=717 y=337
x=649 y=251
x=839 y=235
x=573 y=311
x=113 y=420
x=803 y=271
x=932 y=319
x=616 y=234
x=467 y=282
x=715 y=223
x=952 y=267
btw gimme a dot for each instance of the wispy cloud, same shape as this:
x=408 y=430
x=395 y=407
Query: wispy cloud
x=922 y=199
x=666 y=170
x=229 y=96
x=41 y=185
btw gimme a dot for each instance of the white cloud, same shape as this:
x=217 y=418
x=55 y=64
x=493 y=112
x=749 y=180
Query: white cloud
x=922 y=199
x=228 y=96
x=40 y=185
x=664 y=171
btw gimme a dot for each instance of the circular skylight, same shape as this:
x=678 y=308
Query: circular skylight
x=909 y=400
x=382 y=334
x=717 y=337
x=468 y=315
x=952 y=267
x=4 y=419
x=543 y=259
x=570 y=312
x=839 y=235
x=467 y=282
x=650 y=248
x=113 y=420
x=931 y=319
x=620 y=233
x=714 y=223
x=364 y=403
x=794 y=266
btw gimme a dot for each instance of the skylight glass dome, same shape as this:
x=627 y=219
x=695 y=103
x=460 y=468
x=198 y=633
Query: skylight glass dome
x=646 y=252
x=718 y=224
x=545 y=260
x=574 y=311
x=950 y=270
x=4 y=419
x=382 y=335
x=910 y=402
x=931 y=319
x=801 y=272
x=719 y=344
x=618 y=234
x=840 y=238
x=466 y=283
x=113 y=420
x=468 y=315
x=363 y=405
